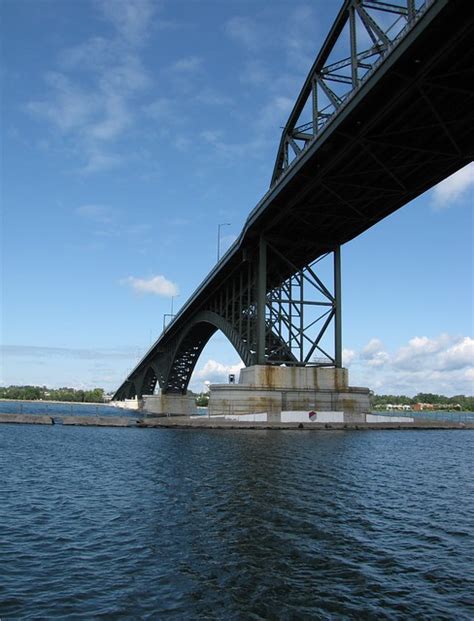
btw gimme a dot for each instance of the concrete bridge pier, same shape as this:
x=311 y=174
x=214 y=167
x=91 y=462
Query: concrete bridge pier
x=169 y=403
x=277 y=389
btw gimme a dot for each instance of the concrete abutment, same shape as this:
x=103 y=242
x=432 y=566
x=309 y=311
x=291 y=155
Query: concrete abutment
x=270 y=389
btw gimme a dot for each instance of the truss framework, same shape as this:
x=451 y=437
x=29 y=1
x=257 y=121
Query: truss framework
x=331 y=82
x=301 y=312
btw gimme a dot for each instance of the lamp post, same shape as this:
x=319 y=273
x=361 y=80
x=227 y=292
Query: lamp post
x=170 y=315
x=172 y=300
x=219 y=238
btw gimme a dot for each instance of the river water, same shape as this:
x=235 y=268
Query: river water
x=109 y=523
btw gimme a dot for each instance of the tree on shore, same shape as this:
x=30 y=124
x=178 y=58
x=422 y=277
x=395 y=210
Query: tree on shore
x=36 y=393
x=443 y=402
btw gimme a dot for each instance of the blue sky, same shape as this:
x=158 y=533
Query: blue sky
x=130 y=130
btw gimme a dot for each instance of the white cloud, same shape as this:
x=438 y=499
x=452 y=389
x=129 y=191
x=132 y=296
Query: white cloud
x=419 y=348
x=460 y=355
x=348 y=356
x=374 y=353
x=454 y=188
x=374 y=346
x=442 y=364
x=157 y=285
x=216 y=372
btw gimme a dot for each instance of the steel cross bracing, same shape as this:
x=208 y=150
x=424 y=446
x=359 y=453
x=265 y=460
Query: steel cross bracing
x=402 y=123
x=299 y=310
x=365 y=31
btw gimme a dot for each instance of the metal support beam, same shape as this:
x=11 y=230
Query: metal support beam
x=337 y=308
x=261 y=299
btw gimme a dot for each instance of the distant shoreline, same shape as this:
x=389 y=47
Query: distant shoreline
x=52 y=401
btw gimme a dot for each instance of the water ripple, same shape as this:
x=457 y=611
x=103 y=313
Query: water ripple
x=101 y=523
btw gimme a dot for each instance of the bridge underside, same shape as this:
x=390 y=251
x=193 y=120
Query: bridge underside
x=409 y=126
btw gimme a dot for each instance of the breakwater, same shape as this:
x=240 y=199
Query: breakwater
x=182 y=422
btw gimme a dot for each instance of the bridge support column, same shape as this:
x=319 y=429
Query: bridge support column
x=338 y=309
x=261 y=300
x=169 y=404
x=285 y=394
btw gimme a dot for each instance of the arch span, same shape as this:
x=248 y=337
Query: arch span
x=192 y=341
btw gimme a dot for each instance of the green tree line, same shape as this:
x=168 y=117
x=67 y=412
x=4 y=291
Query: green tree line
x=35 y=393
x=466 y=402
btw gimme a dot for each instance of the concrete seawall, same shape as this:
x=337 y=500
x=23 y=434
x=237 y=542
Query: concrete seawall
x=99 y=421
x=183 y=422
x=178 y=422
x=26 y=419
x=87 y=421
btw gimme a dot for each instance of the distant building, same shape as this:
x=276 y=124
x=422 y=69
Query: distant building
x=397 y=406
x=419 y=407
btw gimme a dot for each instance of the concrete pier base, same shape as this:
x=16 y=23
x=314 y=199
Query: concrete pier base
x=164 y=404
x=273 y=390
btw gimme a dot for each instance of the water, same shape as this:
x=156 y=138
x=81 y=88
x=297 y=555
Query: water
x=66 y=409
x=452 y=417
x=107 y=523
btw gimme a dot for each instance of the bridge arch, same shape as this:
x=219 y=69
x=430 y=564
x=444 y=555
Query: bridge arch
x=150 y=380
x=191 y=343
x=128 y=391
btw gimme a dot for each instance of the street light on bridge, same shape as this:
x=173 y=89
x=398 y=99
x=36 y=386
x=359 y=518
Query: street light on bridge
x=219 y=226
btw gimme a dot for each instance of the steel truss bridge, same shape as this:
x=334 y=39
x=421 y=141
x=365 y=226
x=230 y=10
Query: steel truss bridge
x=386 y=112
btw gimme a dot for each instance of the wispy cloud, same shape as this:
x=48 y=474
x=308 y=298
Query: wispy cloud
x=36 y=351
x=454 y=188
x=106 y=221
x=245 y=31
x=255 y=72
x=164 y=110
x=97 y=213
x=210 y=97
x=131 y=18
x=90 y=97
x=300 y=37
x=156 y=285
x=185 y=65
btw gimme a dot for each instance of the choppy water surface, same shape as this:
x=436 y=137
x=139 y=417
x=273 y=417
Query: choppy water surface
x=175 y=524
